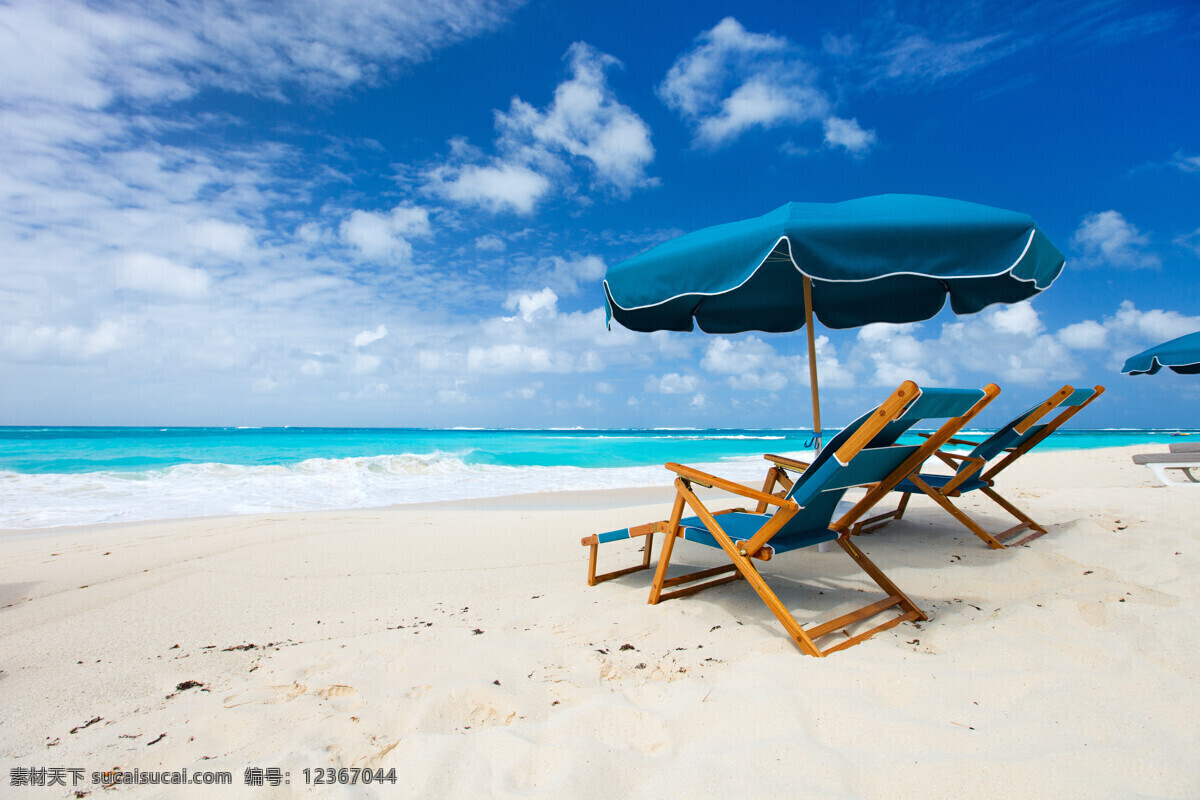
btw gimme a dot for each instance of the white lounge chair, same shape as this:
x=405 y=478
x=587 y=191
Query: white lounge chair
x=1182 y=457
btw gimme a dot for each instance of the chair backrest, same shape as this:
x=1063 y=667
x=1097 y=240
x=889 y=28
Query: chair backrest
x=1020 y=428
x=1024 y=433
x=866 y=452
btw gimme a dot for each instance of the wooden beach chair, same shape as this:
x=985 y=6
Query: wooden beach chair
x=806 y=510
x=972 y=473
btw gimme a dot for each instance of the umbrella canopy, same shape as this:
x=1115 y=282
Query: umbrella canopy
x=1181 y=355
x=890 y=258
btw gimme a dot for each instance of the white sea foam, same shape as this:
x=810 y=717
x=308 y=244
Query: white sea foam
x=190 y=490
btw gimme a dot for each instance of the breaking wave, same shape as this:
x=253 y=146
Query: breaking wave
x=42 y=500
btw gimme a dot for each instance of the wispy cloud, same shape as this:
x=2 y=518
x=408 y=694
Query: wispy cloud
x=537 y=150
x=384 y=238
x=734 y=81
x=920 y=46
x=145 y=237
x=919 y=58
x=847 y=133
x=1107 y=238
x=88 y=56
x=1191 y=241
x=1185 y=163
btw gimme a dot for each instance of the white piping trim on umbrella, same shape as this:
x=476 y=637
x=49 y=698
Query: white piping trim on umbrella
x=1032 y=233
x=1156 y=360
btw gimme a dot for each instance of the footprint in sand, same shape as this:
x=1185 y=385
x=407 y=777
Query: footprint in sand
x=341 y=697
x=266 y=695
x=467 y=710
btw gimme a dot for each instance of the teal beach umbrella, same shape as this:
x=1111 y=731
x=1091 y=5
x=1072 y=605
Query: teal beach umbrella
x=1180 y=355
x=890 y=258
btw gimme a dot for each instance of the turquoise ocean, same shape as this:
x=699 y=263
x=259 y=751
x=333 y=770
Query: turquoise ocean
x=80 y=476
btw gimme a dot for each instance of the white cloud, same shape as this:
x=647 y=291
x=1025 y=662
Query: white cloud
x=917 y=57
x=508 y=358
x=33 y=343
x=566 y=275
x=698 y=75
x=500 y=187
x=1020 y=319
x=490 y=243
x=1126 y=332
x=312 y=233
x=530 y=306
x=146 y=272
x=849 y=134
x=229 y=239
x=452 y=396
x=760 y=102
x=368 y=391
x=671 y=383
x=750 y=363
x=1186 y=163
x=89 y=55
x=1190 y=240
x=312 y=368
x=382 y=237
x=895 y=353
x=734 y=80
x=1108 y=238
x=1014 y=339
x=1086 y=335
x=367 y=337
x=586 y=121
x=365 y=364
x=1155 y=325
x=583 y=125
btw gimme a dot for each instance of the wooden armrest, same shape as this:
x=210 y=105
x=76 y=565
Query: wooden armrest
x=964 y=474
x=957 y=457
x=961 y=442
x=713 y=482
x=784 y=461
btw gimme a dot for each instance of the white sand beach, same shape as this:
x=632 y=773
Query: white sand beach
x=459 y=644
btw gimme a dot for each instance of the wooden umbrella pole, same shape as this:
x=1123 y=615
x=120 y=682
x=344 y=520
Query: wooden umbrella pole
x=812 y=363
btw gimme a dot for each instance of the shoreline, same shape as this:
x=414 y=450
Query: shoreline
x=743 y=467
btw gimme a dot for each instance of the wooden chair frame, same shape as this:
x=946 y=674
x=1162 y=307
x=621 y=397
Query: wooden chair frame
x=941 y=495
x=741 y=553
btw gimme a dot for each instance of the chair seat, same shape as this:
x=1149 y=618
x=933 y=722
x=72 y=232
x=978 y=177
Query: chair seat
x=742 y=527
x=937 y=482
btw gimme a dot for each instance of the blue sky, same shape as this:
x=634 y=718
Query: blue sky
x=399 y=213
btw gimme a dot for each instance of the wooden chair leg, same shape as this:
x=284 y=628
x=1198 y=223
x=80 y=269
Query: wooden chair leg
x=881 y=580
x=881 y=520
x=594 y=548
x=1026 y=522
x=768 y=596
x=953 y=511
x=664 y=558
x=967 y=522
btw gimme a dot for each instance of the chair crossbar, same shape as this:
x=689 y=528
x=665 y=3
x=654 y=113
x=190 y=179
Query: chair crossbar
x=910 y=616
x=697 y=576
x=818 y=631
x=736 y=576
